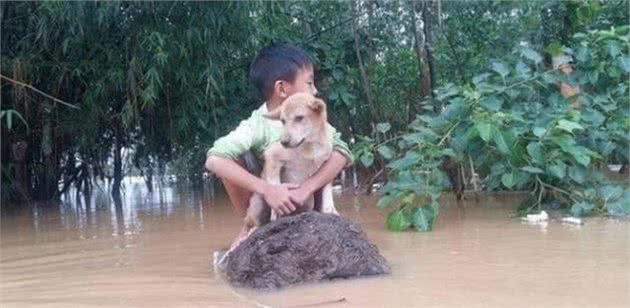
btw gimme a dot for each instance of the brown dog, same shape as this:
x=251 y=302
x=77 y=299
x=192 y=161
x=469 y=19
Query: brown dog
x=303 y=148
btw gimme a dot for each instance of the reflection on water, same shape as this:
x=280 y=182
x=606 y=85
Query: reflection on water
x=156 y=250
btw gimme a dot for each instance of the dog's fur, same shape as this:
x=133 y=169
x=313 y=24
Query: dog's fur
x=302 y=149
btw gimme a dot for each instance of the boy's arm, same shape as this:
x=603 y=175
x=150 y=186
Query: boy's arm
x=340 y=146
x=222 y=162
x=277 y=196
x=341 y=157
x=326 y=174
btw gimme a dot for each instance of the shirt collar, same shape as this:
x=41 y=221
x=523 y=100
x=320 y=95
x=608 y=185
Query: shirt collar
x=263 y=109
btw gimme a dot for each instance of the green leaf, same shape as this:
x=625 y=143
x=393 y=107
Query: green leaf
x=521 y=178
x=410 y=159
x=583 y=54
x=367 y=159
x=566 y=142
x=610 y=193
x=577 y=173
x=9 y=116
x=499 y=140
x=593 y=76
x=492 y=103
x=534 y=150
x=624 y=63
x=558 y=170
x=595 y=117
x=614 y=72
x=531 y=54
x=448 y=152
x=385 y=201
x=385 y=151
x=539 y=131
x=522 y=69
x=550 y=77
x=569 y=126
x=425 y=118
x=447 y=91
x=408 y=198
x=531 y=169
x=582 y=159
x=554 y=49
x=383 y=127
x=337 y=74
x=397 y=221
x=423 y=218
x=480 y=78
x=484 y=130
x=582 y=209
x=427 y=134
x=620 y=207
x=500 y=68
x=614 y=48
x=508 y=180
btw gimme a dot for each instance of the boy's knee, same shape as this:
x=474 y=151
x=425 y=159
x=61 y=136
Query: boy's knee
x=211 y=162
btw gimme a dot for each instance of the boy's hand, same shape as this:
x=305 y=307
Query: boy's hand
x=299 y=195
x=278 y=198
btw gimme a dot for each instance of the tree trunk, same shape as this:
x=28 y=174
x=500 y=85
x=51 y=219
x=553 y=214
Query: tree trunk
x=423 y=53
x=117 y=165
x=48 y=183
x=371 y=48
x=428 y=45
x=21 y=185
x=70 y=174
x=364 y=78
x=148 y=178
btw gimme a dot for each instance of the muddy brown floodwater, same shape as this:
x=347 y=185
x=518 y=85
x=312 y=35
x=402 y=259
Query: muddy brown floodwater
x=156 y=251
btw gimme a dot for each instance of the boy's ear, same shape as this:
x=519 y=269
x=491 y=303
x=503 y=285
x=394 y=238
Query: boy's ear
x=273 y=115
x=317 y=105
x=279 y=87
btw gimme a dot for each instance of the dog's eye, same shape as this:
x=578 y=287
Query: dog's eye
x=299 y=118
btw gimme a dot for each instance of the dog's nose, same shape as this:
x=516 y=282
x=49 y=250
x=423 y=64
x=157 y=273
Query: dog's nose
x=285 y=143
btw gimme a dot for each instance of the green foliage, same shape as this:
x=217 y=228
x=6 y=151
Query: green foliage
x=8 y=115
x=165 y=79
x=398 y=220
x=521 y=134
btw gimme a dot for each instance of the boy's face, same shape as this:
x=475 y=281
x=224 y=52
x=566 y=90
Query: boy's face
x=303 y=83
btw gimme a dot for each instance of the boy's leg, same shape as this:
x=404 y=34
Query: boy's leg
x=239 y=197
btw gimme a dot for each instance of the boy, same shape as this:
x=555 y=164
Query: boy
x=278 y=71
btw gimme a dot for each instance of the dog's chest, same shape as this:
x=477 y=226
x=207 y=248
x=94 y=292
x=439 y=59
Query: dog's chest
x=303 y=165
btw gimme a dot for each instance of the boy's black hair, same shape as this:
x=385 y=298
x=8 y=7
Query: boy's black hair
x=279 y=61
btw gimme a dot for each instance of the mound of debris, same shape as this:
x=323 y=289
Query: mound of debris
x=303 y=248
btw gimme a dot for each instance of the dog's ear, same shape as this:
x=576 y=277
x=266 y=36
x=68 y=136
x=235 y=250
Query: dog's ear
x=273 y=115
x=317 y=105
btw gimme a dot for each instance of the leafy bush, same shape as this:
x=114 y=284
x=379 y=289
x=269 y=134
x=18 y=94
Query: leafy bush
x=519 y=133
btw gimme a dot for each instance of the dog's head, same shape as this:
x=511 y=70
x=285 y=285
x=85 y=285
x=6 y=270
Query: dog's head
x=303 y=119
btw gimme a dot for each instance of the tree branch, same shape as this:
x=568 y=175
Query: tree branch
x=39 y=91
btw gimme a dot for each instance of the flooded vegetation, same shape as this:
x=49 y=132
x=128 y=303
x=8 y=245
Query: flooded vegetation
x=157 y=249
x=524 y=103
